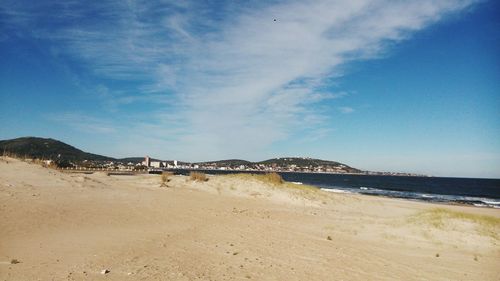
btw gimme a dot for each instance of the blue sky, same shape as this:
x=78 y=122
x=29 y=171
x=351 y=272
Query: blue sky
x=407 y=86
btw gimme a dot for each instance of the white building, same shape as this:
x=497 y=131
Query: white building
x=147 y=161
x=155 y=164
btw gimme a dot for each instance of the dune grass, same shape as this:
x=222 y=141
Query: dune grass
x=198 y=176
x=272 y=178
x=275 y=181
x=440 y=218
x=165 y=178
x=264 y=178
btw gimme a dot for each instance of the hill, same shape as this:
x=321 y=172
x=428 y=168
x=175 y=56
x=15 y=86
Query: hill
x=134 y=160
x=307 y=162
x=300 y=161
x=62 y=153
x=46 y=148
x=227 y=163
x=285 y=163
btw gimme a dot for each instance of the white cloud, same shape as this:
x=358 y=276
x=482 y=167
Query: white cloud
x=346 y=109
x=239 y=80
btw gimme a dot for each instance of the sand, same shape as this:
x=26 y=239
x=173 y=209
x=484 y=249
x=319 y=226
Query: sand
x=62 y=226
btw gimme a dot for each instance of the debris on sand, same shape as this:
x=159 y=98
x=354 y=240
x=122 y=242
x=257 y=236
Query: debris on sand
x=105 y=271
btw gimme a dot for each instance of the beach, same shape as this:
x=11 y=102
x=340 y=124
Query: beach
x=75 y=226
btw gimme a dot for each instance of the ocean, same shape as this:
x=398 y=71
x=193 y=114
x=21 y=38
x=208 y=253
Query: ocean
x=470 y=191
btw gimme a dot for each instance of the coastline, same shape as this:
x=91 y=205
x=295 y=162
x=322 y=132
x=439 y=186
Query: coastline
x=301 y=172
x=231 y=227
x=424 y=189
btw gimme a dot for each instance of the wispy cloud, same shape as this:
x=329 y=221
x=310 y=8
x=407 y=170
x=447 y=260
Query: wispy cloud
x=84 y=123
x=237 y=79
x=346 y=109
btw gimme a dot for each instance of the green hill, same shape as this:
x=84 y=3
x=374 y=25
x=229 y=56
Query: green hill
x=42 y=148
x=228 y=162
x=285 y=162
x=306 y=162
x=299 y=161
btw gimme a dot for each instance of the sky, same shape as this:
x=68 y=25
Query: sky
x=404 y=86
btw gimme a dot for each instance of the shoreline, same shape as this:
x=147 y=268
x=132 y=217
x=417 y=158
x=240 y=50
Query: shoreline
x=341 y=190
x=447 y=199
x=438 y=202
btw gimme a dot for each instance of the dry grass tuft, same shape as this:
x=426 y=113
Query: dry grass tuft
x=272 y=178
x=165 y=178
x=198 y=176
x=440 y=218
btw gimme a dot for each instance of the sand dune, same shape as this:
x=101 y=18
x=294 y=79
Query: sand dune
x=72 y=226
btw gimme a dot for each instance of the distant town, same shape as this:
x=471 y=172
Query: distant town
x=281 y=165
x=63 y=156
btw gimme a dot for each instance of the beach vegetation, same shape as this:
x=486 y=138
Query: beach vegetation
x=267 y=178
x=275 y=180
x=198 y=176
x=441 y=218
x=165 y=178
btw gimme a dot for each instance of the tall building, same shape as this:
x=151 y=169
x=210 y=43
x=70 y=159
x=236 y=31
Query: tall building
x=147 y=161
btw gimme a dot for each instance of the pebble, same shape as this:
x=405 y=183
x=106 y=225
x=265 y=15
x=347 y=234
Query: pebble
x=104 y=271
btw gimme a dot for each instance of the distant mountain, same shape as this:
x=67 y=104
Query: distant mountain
x=282 y=162
x=41 y=148
x=300 y=161
x=134 y=160
x=306 y=162
x=227 y=163
x=131 y=160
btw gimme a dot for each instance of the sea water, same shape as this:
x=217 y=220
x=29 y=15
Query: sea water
x=473 y=191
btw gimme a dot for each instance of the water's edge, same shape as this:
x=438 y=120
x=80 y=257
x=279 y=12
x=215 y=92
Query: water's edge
x=469 y=191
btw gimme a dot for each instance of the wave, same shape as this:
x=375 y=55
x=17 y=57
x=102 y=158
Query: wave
x=438 y=198
x=336 y=190
x=491 y=202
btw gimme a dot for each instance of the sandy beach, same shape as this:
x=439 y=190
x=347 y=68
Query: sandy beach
x=71 y=226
